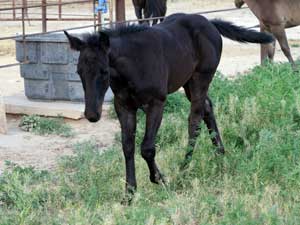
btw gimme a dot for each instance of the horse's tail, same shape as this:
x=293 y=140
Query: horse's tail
x=156 y=8
x=241 y=34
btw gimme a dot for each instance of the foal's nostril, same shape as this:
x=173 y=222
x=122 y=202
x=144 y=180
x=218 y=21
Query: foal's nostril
x=93 y=120
x=92 y=117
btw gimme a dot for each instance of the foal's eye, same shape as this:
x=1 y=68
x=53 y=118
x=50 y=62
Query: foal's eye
x=103 y=71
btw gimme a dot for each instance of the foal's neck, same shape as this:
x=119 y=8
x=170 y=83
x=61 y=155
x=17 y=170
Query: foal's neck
x=115 y=50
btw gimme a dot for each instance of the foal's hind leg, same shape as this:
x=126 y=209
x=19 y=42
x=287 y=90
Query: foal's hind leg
x=201 y=108
x=196 y=91
x=210 y=121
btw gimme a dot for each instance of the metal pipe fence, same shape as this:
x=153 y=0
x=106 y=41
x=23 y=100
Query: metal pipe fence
x=43 y=4
x=120 y=17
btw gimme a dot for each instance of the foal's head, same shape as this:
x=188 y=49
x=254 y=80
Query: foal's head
x=93 y=68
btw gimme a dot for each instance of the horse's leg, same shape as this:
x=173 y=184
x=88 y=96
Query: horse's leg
x=164 y=11
x=271 y=50
x=138 y=13
x=267 y=50
x=187 y=91
x=147 y=15
x=210 y=121
x=127 y=118
x=155 y=21
x=196 y=91
x=154 y=114
x=280 y=35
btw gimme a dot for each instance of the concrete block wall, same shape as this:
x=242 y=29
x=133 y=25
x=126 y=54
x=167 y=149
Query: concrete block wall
x=51 y=72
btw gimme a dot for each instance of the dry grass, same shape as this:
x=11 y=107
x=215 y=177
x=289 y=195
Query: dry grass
x=7 y=48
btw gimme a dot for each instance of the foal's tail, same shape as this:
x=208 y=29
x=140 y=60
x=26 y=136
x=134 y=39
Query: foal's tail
x=241 y=34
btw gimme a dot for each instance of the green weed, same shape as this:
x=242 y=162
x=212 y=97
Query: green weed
x=295 y=45
x=257 y=181
x=45 y=126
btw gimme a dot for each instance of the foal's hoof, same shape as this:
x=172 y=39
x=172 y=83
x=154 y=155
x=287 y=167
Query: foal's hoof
x=127 y=199
x=220 y=151
x=295 y=68
x=158 y=178
x=129 y=195
x=186 y=162
x=184 y=165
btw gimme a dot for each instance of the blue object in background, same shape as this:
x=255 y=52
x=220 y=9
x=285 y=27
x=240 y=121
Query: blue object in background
x=102 y=6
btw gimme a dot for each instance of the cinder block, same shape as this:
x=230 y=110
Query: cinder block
x=60 y=89
x=31 y=51
x=34 y=71
x=54 y=53
x=76 y=91
x=74 y=55
x=38 y=89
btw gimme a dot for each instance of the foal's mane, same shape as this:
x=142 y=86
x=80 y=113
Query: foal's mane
x=93 y=38
x=125 y=29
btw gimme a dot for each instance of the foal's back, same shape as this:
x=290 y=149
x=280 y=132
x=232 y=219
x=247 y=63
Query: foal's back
x=169 y=53
x=188 y=42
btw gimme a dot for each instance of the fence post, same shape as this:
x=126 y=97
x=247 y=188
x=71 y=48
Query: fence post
x=99 y=20
x=3 y=124
x=44 y=15
x=14 y=10
x=120 y=10
x=59 y=9
x=111 y=13
x=94 y=13
x=24 y=4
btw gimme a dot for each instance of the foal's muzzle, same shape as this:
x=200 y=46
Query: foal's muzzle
x=92 y=117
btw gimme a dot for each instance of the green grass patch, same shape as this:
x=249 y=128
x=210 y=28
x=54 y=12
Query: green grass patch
x=257 y=181
x=45 y=126
x=295 y=45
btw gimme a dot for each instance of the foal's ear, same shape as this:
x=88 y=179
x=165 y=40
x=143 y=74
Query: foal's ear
x=75 y=43
x=104 y=40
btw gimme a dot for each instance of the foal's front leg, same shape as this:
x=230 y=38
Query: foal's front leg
x=127 y=118
x=153 y=120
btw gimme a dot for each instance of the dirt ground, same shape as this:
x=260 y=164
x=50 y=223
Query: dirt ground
x=42 y=152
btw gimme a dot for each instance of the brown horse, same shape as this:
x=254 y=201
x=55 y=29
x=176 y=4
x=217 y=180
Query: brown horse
x=274 y=17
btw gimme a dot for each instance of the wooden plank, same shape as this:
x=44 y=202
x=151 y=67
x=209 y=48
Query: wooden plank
x=3 y=123
x=19 y=104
